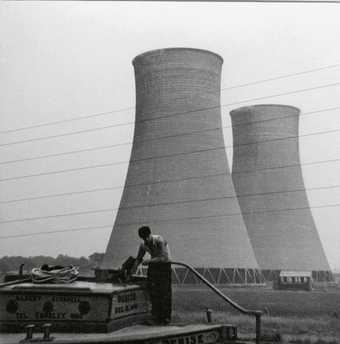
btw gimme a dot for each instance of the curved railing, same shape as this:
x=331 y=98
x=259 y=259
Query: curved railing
x=256 y=313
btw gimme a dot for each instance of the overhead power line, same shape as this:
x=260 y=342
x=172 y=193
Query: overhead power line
x=231 y=214
x=66 y=170
x=153 y=205
x=78 y=132
x=35 y=218
x=164 y=156
x=65 y=153
x=66 y=120
x=122 y=186
x=56 y=231
x=173 y=220
x=174 y=114
x=162 y=182
x=285 y=93
x=72 y=119
x=63 y=194
x=284 y=76
x=162 y=137
x=287 y=166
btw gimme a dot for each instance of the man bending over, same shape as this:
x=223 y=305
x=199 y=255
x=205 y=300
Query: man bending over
x=159 y=274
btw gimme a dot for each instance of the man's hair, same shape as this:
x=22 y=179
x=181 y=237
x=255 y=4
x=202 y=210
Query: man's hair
x=144 y=232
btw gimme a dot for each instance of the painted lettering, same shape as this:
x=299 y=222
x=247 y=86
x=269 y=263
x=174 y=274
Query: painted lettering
x=50 y=315
x=76 y=316
x=125 y=309
x=119 y=310
x=21 y=316
x=28 y=297
x=129 y=308
x=128 y=297
x=62 y=298
x=194 y=339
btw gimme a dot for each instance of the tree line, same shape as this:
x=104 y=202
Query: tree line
x=85 y=264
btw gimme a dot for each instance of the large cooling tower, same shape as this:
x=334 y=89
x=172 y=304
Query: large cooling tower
x=177 y=181
x=268 y=181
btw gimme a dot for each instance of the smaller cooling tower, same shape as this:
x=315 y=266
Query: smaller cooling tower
x=268 y=181
x=177 y=181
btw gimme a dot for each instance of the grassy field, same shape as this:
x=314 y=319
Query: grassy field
x=298 y=316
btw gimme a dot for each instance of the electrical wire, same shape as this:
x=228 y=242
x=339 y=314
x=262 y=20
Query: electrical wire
x=230 y=215
x=67 y=120
x=133 y=107
x=163 y=137
x=176 y=114
x=63 y=194
x=56 y=231
x=258 y=98
x=172 y=220
x=64 y=153
x=287 y=166
x=166 y=156
x=121 y=187
x=336 y=186
x=284 y=93
x=26 y=219
x=284 y=76
x=67 y=170
x=168 y=181
x=66 y=134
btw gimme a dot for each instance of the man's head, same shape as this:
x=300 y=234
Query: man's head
x=144 y=233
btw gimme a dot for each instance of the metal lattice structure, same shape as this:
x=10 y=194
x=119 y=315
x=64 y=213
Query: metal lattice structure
x=214 y=275
x=269 y=184
x=178 y=180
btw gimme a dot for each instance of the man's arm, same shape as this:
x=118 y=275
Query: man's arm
x=139 y=259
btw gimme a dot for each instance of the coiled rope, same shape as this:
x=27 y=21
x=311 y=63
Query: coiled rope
x=63 y=275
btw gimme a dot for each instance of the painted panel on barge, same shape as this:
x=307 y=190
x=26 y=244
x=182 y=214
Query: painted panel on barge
x=38 y=307
x=99 y=307
x=129 y=303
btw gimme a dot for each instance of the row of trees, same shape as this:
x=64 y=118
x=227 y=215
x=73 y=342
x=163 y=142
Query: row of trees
x=12 y=263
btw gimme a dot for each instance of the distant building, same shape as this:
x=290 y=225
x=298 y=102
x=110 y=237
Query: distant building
x=294 y=280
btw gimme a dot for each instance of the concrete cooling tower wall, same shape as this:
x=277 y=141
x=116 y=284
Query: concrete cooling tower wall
x=269 y=184
x=177 y=182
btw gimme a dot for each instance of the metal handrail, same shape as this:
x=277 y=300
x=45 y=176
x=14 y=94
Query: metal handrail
x=18 y=281
x=256 y=313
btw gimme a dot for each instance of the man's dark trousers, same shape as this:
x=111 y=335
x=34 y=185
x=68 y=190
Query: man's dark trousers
x=159 y=284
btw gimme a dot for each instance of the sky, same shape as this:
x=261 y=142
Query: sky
x=65 y=60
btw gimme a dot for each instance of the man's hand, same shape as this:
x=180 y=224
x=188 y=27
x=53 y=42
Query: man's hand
x=146 y=262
